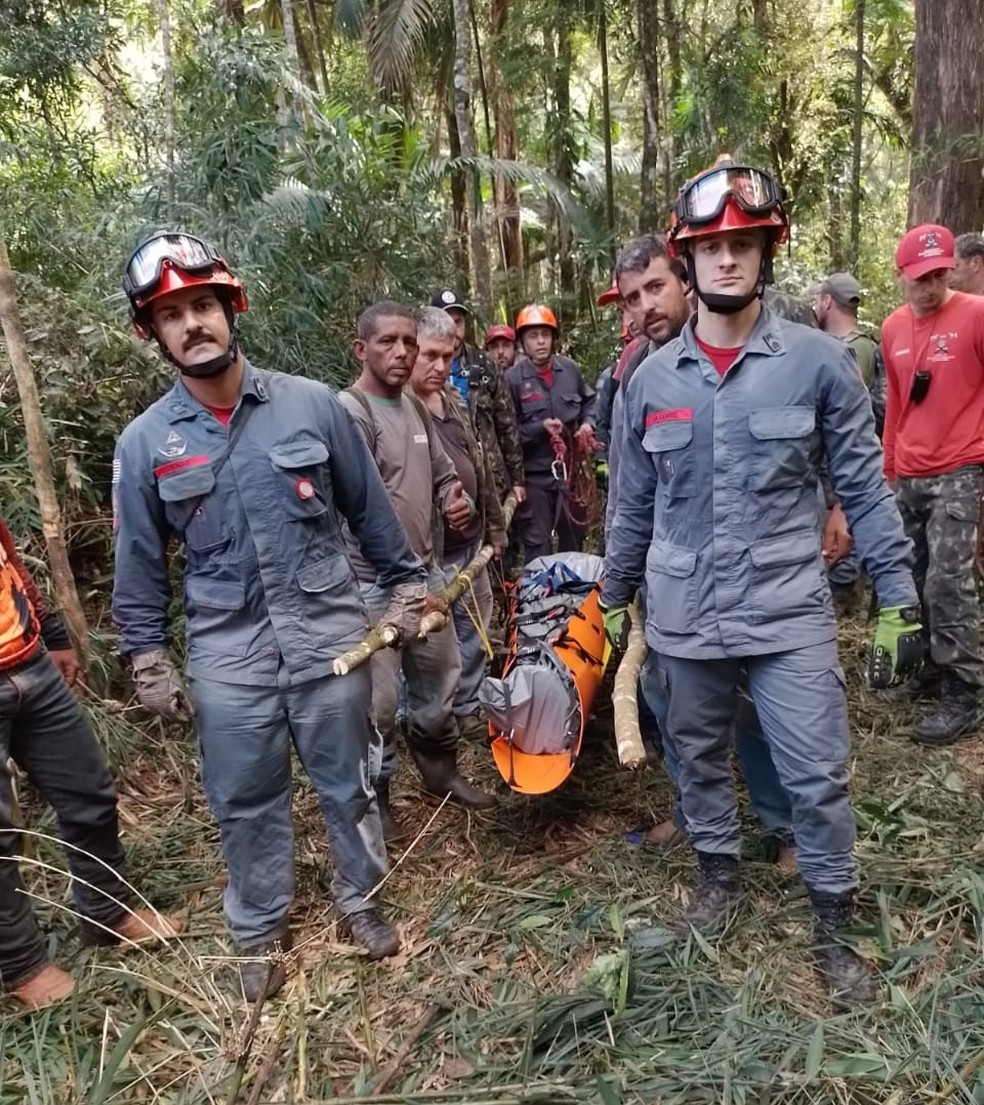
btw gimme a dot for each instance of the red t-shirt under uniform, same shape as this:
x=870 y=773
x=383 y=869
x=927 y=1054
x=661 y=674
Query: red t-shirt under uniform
x=722 y=358
x=946 y=430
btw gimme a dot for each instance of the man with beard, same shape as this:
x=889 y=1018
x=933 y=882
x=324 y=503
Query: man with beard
x=500 y=345
x=716 y=509
x=252 y=472
x=554 y=407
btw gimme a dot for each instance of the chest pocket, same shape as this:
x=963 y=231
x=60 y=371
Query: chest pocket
x=303 y=469
x=670 y=444
x=191 y=510
x=782 y=438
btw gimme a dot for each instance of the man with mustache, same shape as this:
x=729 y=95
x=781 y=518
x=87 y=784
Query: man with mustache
x=253 y=472
x=421 y=481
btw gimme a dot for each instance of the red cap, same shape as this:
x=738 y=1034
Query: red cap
x=924 y=249
x=610 y=295
x=500 y=331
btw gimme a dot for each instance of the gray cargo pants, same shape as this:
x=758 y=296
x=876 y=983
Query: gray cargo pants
x=802 y=707
x=940 y=515
x=432 y=668
x=244 y=736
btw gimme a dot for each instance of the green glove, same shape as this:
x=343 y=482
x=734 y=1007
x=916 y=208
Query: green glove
x=898 y=648
x=617 y=625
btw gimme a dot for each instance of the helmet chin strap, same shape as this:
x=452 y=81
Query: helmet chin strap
x=205 y=370
x=731 y=304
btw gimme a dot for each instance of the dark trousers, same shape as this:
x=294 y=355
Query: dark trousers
x=43 y=729
x=544 y=511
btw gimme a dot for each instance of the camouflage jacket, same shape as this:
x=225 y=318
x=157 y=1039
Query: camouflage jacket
x=494 y=419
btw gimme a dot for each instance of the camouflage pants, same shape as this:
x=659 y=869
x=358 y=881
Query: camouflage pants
x=940 y=515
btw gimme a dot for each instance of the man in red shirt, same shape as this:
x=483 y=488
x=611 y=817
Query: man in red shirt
x=934 y=452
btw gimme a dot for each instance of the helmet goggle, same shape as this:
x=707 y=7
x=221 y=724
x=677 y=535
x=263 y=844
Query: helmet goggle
x=183 y=251
x=702 y=200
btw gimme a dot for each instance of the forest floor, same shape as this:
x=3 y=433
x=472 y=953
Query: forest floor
x=528 y=948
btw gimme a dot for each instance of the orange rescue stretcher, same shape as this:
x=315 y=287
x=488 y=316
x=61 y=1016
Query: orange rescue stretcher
x=558 y=652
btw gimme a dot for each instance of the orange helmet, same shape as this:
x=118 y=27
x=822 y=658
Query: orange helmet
x=609 y=295
x=536 y=315
x=500 y=332
x=727 y=197
x=169 y=261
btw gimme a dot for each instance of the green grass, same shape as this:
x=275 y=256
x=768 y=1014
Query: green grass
x=518 y=938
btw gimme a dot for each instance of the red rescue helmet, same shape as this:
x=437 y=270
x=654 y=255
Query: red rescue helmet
x=609 y=295
x=728 y=197
x=169 y=261
x=500 y=332
x=536 y=315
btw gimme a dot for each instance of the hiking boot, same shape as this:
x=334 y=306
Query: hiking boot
x=253 y=972
x=958 y=714
x=370 y=928
x=138 y=926
x=439 y=776
x=473 y=727
x=717 y=893
x=47 y=986
x=393 y=830
x=847 y=975
x=925 y=684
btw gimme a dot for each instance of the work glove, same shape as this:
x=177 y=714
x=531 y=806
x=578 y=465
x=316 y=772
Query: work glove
x=160 y=688
x=617 y=625
x=898 y=647
x=405 y=609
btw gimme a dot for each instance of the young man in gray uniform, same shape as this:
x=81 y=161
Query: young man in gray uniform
x=252 y=471
x=717 y=510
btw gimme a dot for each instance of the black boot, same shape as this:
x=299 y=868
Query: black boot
x=924 y=685
x=273 y=949
x=847 y=975
x=370 y=928
x=958 y=714
x=393 y=830
x=717 y=893
x=440 y=776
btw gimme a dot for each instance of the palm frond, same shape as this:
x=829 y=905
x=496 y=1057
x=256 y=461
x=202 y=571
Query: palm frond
x=395 y=32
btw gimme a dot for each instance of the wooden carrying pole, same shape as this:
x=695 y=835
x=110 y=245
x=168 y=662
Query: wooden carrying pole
x=384 y=635
x=628 y=736
x=39 y=456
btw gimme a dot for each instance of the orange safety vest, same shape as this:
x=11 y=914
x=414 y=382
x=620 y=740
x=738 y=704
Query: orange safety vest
x=19 y=627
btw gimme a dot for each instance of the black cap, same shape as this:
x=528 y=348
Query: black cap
x=447 y=298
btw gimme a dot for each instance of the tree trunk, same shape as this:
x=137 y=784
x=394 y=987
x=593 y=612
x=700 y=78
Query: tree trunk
x=478 y=247
x=606 y=114
x=503 y=109
x=945 y=181
x=647 y=20
x=39 y=456
x=290 y=37
x=563 y=141
x=854 y=249
x=164 y=16
x=459 y=203
x=319 y=46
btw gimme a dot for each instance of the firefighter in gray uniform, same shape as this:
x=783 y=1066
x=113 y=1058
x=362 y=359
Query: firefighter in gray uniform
x=717 y=509
x=252 y=471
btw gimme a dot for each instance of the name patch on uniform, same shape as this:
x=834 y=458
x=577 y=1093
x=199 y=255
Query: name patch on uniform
x=531 y=396
x=682 y=414
x=420 y=439
x=177 y=465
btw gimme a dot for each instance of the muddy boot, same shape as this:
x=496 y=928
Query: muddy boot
x=46 y=987
x=925 y=684
x=393 y=830
x=370 y=928
x=958 y=714
x=253 y=973
x=440 y=776
x=473 y=727
x=847 y=975
x=718 y=891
